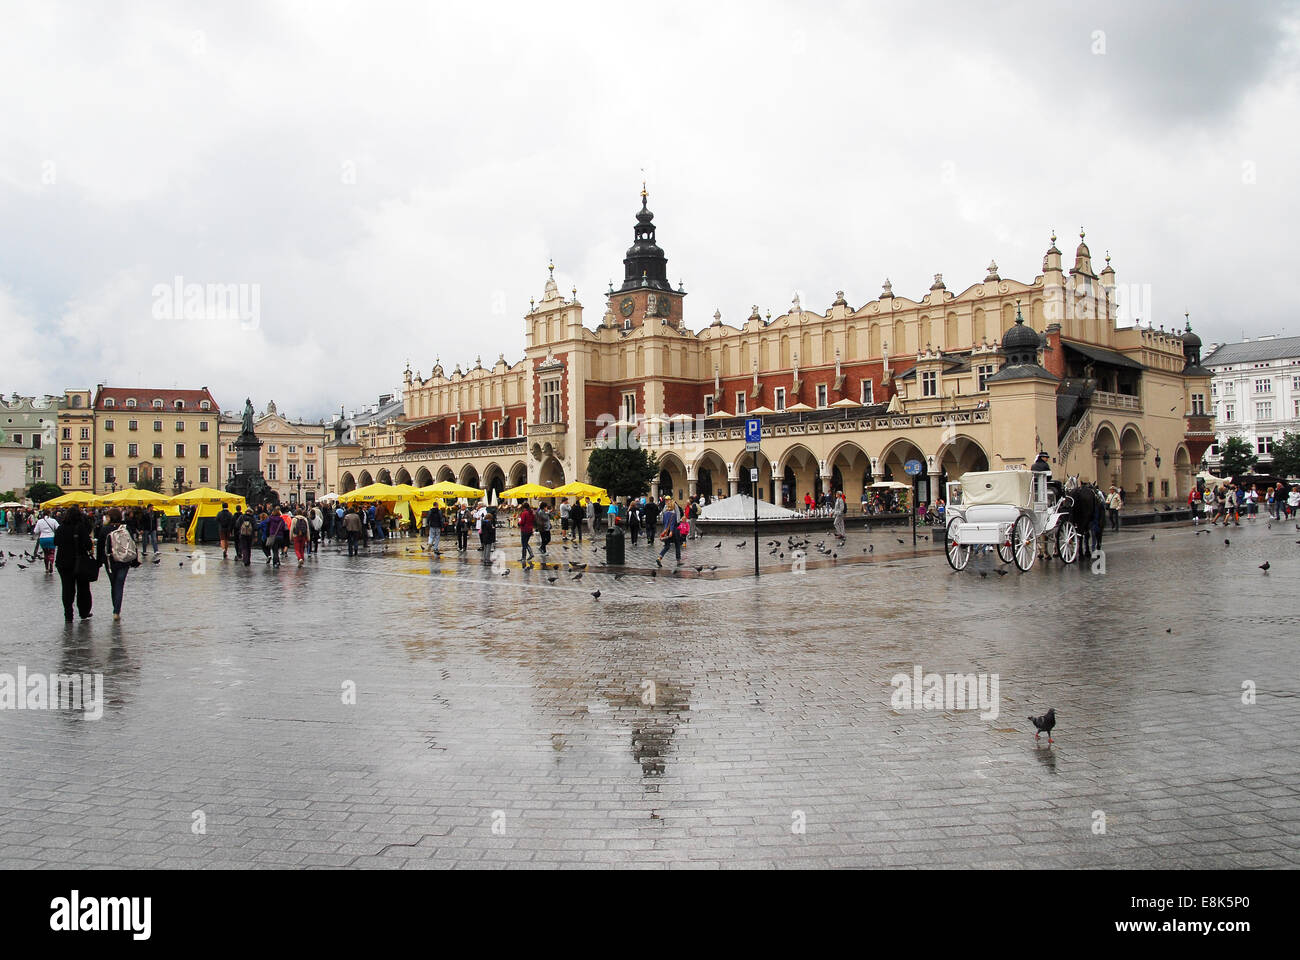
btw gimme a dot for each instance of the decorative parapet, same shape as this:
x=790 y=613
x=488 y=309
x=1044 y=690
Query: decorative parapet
x=459 y=452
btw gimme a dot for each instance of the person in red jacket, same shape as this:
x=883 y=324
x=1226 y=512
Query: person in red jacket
x=526 y=525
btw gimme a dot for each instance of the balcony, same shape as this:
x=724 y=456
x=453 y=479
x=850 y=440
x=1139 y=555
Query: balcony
x=1116 y=401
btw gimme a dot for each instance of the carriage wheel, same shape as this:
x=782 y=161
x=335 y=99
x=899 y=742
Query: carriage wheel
x=1005 y=552
x=1024 y=543
x=1067 y=541
x=958 y=554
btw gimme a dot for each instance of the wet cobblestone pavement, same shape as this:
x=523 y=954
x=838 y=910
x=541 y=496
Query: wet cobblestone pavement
x=503 y=720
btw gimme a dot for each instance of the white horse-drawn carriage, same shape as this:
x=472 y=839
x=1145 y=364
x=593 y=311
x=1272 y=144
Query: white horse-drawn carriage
x=1013 y=511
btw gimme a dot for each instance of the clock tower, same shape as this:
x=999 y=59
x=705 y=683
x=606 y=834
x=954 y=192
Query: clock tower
x=646 y=297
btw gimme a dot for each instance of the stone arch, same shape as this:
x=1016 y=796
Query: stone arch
x=1184 y=474
x=446 y=474
x=1105 y=448
x=493 y=480
x=365 y=479
x=850 y=467
x=895 y=456
x=672 y=476
x=958 y=455
x=518 y=475
x=1132 y=454
x=403 y=476
x=347 y=482
x=423 y=478
x=383 y=476
x=469 y=476
x=766 y=485
x=798 y=471
x=550 y=473
x=710 y=474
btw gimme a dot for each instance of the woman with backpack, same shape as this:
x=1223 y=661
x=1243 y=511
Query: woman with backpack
x=74 y=559
x=117 y=553
x=46 y=527
x=672 y=535
x=299 y=531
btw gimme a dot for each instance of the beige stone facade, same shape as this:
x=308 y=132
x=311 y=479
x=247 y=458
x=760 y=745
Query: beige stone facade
x=847 y=395
x=291 y=458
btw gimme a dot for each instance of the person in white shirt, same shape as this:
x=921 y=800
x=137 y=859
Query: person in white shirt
x=44 y=532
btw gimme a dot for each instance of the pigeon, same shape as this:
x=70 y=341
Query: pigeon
x=712 y=568
x=20 y=566
x=1226 y=541
x=505 y=573
x=741 y=545
x=1153 y=536
x=699 y=568
x=551 y=579
x=1264 y=566
x=1169 y=630
x=157 y=560
x=900 y=541
x=871 y=548
x=181 y=564
x=1000 y=573
x=619 y=576
x=984 y=574
x=1044 y=724
x=596 y=594
x=718 y=545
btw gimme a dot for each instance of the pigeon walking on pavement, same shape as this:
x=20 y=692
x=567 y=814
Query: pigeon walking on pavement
x=1044 y=724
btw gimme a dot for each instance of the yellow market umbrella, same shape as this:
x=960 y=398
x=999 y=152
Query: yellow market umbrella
x=206 y=495
x=134 y=498
x=454 y=491
x=370 y=493
x=527 y=491
x=579 y=489
x=77 y=498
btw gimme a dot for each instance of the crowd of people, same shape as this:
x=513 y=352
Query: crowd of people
x=1228 y=502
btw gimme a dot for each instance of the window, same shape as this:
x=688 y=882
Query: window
x=310 y=450
x=1295 y=409
x=180 y=476
x=867 y=392
x=108 y=424
x=132 y=474
x=1295 y=383
x=230 y=471
x=130 y=402
x=473 y=432
x=205 y=405
x=271 y=449
x=157 y=404
x=293 y=449
x=179 y=404
x=203 y=476
x=983 y=372
x=85 y=451
x=496 y=429
x=1264 y=446
x=85 y=433
x=1229 y=411
x=65 y=452
x=203 y=451
x=271 y=471
x=929 y=384
x=38 y=469
x=551 y=400
x=18 y=438
x=821 y=395
x=708 y=404
x=109 y=477
x=180 y=451
x=1214 y=389
x=157 y=425
x=133 y=424
x=740 y=402
x=67 y=433
x=65 y=478
x=1264 y=386
x=780 y=398
x=230 y=448
x=203 y=426
x=519 y=426
x=133 y=449
x=455 y=428
x=108 y=401
x=311 y=471
x=157 y=451
x=108 y=449
x=180 y=426
x=1198 y=403
x=36 y=441
x=158 y=474
x=629 y=406
x=85 y=477
x=293 y=470
x=1264 y=410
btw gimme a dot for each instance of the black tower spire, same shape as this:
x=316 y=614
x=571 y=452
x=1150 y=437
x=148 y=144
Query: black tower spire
x=645 y=266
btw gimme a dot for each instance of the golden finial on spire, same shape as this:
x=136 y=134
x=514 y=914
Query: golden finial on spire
x=1081 y=233
x=551 y=266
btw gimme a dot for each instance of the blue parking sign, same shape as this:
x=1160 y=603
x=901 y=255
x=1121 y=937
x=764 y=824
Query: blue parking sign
x=753 y=432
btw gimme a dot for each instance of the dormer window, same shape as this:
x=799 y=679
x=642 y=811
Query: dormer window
x=157 y=403
x=130 y=402
x=204 y=405
x=108 y=401
x=180 y=404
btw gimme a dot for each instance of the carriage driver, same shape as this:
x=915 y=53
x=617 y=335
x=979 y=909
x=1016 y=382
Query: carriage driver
x=1041 y=465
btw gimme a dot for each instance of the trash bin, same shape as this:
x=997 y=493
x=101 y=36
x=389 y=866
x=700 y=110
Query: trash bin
x=614 y=546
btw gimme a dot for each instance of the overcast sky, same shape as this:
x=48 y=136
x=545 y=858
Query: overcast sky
x=390 y=179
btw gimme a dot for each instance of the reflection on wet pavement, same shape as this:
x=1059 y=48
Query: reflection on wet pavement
x=402 y=710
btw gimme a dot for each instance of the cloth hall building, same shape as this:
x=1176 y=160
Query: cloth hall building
x=983 y=378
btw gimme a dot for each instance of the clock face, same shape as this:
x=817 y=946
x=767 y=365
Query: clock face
x=626 y=307
x=664 y=307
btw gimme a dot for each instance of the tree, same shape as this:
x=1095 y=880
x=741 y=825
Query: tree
x=42 y=490
x=147 y=482
x=623 y=471
x=1237 y=457
x=1286 y=455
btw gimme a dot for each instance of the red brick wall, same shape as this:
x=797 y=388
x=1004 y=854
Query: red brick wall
x=1053 y=355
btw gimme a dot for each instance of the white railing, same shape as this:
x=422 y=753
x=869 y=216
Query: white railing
x=1116 y=401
